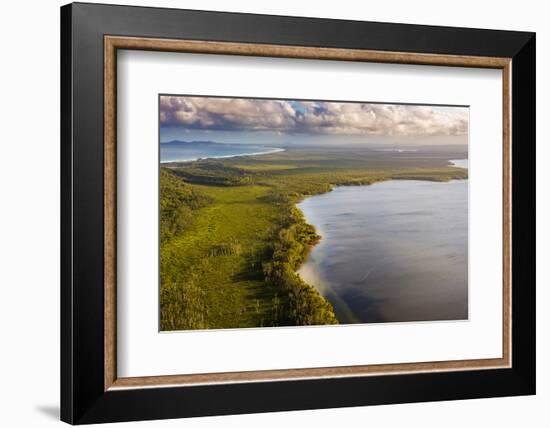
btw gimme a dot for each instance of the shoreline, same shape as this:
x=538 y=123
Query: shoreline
x=310 y=247
x=293 y=238
x=273 y=150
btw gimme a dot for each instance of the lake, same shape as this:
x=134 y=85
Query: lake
x=391 y=252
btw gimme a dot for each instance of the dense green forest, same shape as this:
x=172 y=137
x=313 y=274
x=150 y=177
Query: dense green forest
x=232 y=237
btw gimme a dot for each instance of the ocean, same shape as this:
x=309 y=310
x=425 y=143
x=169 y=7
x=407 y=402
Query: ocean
x=180 y=151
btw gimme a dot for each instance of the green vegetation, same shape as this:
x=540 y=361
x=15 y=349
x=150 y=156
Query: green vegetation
x=232 y=237
x=177 y=203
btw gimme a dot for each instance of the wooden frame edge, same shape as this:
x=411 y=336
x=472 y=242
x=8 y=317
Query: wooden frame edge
x=507 y=213
x=301 y=52
x=299 y=374
x=112 y=43
x=109 y=197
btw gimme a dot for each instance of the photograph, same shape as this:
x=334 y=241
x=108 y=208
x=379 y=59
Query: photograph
x=291 y=212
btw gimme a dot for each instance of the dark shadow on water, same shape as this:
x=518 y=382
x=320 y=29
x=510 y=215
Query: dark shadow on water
x=51 y=411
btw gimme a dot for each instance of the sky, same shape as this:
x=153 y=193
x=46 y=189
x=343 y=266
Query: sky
x=269 y=121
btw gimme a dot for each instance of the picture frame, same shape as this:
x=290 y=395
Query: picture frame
x=91 y=390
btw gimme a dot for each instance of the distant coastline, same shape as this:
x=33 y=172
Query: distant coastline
x=273 y=150
x=181 y=151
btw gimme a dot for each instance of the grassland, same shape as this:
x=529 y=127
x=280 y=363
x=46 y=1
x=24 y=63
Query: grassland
x=232 y=238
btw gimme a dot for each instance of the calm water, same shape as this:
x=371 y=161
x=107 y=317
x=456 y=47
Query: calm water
x=392 y=251
x=190 y=151
x=462 y=163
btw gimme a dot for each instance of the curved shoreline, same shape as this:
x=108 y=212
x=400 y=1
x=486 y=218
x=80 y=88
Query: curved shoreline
x=322 y=289
x=274 y=150
x=285 y=247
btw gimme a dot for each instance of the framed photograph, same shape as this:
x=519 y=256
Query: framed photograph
x=267 y=213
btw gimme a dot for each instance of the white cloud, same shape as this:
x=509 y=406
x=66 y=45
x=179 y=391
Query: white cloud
x=333 y=118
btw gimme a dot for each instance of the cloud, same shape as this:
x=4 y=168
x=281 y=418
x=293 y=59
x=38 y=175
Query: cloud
x=311 y=117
